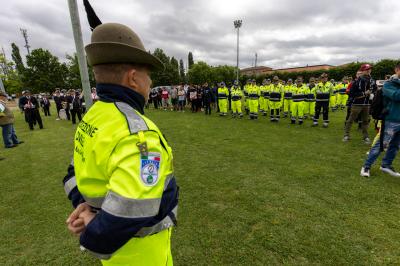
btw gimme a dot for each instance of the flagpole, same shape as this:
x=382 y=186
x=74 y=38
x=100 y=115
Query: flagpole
x=80 y=52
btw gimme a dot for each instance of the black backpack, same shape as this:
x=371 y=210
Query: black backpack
x=377 y=109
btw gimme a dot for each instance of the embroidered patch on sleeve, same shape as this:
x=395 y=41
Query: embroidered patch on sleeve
x=149 y=168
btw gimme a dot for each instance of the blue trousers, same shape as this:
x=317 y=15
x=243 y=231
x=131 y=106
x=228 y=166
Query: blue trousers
x=9 y=136
x=391 y=140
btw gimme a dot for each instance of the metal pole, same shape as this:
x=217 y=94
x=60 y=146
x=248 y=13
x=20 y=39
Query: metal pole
x=2 y=86
x=80 y=52
x=237 y=56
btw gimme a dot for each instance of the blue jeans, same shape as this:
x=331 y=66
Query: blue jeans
x=9 y=136
x=391 y=140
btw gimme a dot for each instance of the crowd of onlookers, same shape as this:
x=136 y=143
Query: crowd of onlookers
x=176 y=98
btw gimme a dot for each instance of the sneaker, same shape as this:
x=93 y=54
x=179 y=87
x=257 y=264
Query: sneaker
x=367 y=141
x=389 y=170
x=365 y=172
x=57 y=119
x=325 y=125
x=346 y=138
x=315 y=124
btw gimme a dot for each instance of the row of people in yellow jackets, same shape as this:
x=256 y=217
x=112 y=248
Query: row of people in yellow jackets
x=296 y=100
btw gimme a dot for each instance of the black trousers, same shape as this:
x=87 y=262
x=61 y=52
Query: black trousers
x=75 y=113
x=58 y=110
x=67 y=112
x=33 y=116
x=207 y=108
x=324 y=106
x=46 y=110
x=155 y=102
x=194 y=105
x=275 y=111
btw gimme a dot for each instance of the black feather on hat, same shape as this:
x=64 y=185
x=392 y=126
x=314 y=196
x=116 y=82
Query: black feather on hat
x=93 y=19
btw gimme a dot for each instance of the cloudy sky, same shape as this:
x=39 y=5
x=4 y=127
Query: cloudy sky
x=284 y=33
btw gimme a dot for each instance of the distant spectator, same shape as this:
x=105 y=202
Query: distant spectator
x=58 y=99
x=159 y=97
x=67 y=104
x=154 y=98
x=45 y=104
x=207 y=98
x=165 y=98
x=95 y=98
x=174 y=98
x=193 y=98
x=199 y=100
x=7 y=123
x=359 y=94
x=31 y=109
x=214 y=97
x=181 y=98
x=75 y=106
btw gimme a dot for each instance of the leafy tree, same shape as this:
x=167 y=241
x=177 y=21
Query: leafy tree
x=73 y=80
x=190 y=60
x=16 y=57
x=44 y=72
x=170 y=74
x=200 y=73
x=182 y=71
x=9 y=75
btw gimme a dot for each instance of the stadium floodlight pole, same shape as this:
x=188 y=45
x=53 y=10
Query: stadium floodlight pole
x=80 y=52
x=237 y=24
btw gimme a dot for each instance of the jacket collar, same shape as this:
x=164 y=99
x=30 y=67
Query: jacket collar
x=118 y=93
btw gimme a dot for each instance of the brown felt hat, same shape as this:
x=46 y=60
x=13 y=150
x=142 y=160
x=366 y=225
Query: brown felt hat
x=114 y=43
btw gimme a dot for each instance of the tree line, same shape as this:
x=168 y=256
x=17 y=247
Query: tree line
x=43 y=71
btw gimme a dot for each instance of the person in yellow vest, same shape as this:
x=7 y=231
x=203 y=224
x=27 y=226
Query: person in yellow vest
x=334 y=97
x=121 y=179
x=299 y=93
x=275 y=99
x=236 y=100
x=223 y=94
x=265 y=95
x=246 y=95
x=341 y=88
x=287 y=97
x=322 y=92
x=254 y=95
x=309 y=103
x=262 y=101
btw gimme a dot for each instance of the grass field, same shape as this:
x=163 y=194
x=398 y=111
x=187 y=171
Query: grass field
x=252 y=193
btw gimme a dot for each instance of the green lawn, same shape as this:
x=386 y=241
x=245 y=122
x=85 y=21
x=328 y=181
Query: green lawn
x=252 y=193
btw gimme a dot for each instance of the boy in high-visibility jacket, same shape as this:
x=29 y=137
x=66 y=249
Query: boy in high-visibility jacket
x=309 y=103
x=246 y=95
x=342 y=96
x=287 y=97
x=254 y=95
x=275 y=99
x=223 y=94
x=299 y=92
x=236 y=100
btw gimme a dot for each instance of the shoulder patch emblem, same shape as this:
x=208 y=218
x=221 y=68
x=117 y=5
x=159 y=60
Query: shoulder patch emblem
x=149 y=168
